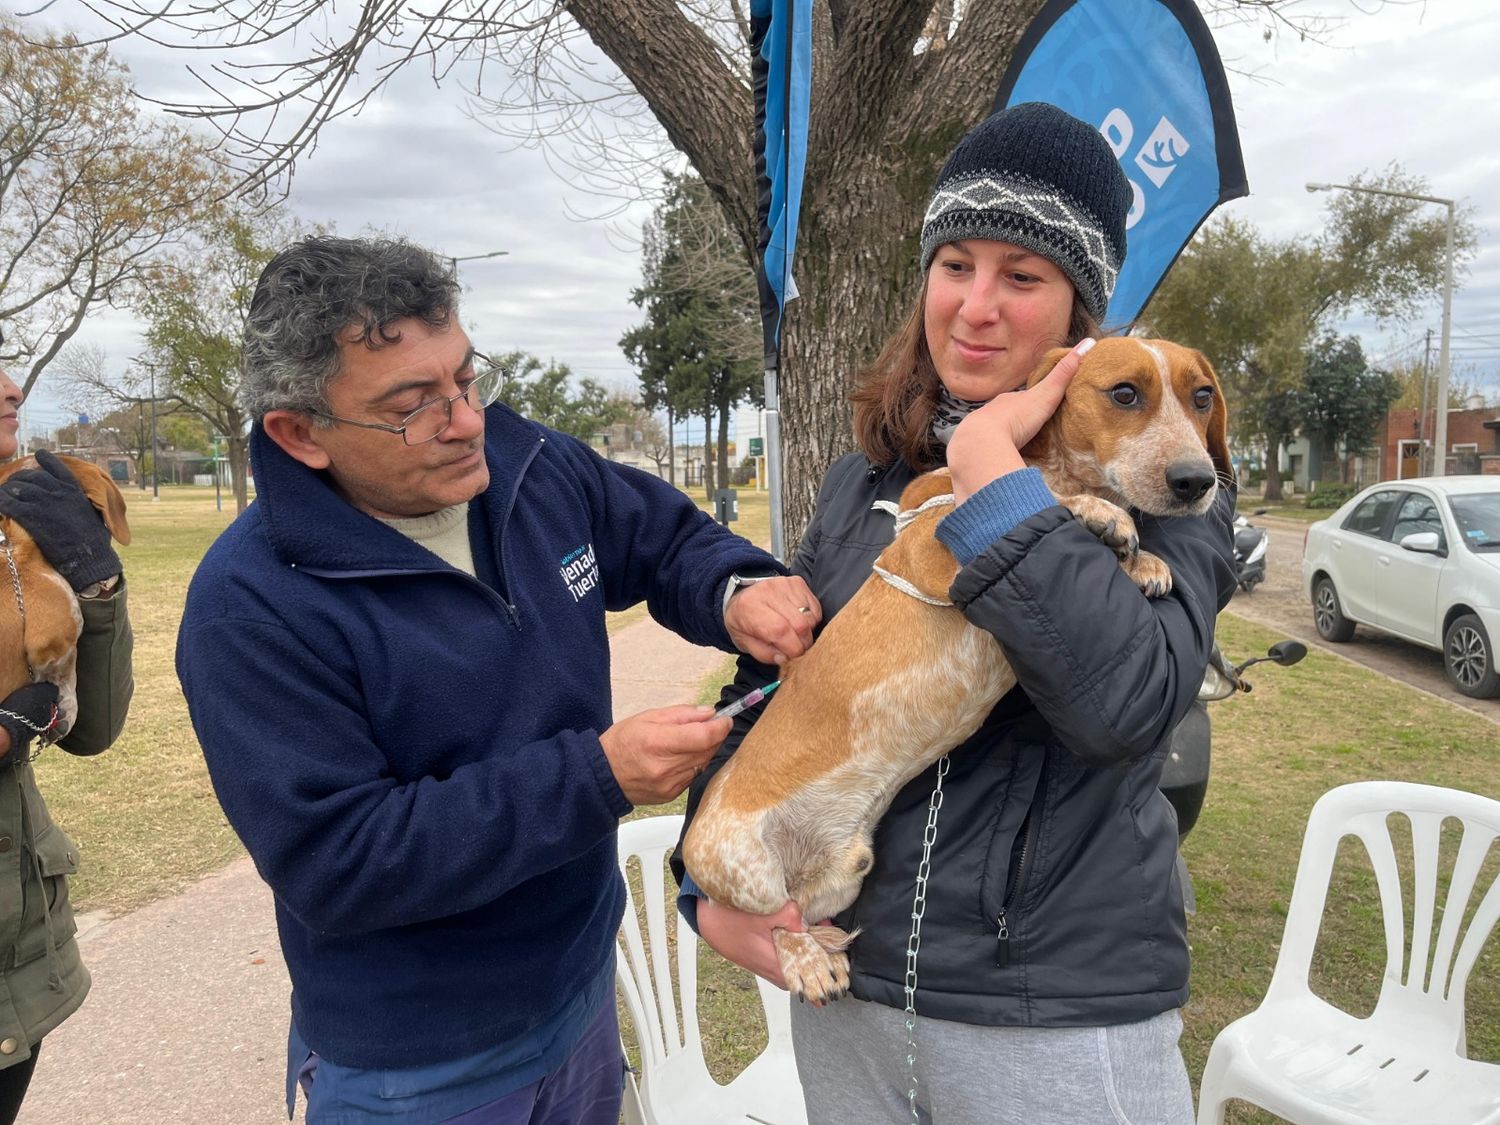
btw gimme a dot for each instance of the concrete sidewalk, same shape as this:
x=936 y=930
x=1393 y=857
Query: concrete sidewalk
x=188 y=1015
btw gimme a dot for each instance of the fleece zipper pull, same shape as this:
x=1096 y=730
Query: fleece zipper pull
x=1002 y=940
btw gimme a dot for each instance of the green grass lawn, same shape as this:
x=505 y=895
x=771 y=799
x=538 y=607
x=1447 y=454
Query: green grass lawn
x=1292 y=509
x=148 y=824
x=1302 y=731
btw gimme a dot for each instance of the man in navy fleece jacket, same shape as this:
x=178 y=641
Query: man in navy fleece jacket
x=397 y=666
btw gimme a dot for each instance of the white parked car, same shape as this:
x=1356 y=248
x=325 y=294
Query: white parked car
x=1419 y=559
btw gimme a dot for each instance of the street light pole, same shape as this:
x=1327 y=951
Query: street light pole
x=475 y=257
x=1440 y=418
x=155 y=450
x=1440 y=410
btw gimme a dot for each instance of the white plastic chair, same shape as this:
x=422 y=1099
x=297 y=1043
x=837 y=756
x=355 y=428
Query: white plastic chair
x=674 y=1086
x=1309 y=1062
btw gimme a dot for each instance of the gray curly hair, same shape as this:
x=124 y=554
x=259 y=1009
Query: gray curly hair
x=313 y=292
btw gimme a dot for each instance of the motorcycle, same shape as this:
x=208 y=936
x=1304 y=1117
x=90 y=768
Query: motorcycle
x=1184 y=775
x=1250 y=546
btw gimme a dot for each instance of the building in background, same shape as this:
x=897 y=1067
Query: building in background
x=1473 y=443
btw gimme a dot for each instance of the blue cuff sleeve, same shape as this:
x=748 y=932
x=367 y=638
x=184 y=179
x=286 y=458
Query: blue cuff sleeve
x=687 y=900
x=970 y=529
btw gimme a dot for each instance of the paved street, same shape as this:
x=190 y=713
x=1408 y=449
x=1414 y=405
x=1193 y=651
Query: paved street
x=1280 y=603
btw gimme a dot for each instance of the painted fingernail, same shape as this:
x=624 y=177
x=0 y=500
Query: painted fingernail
x=1084 y=346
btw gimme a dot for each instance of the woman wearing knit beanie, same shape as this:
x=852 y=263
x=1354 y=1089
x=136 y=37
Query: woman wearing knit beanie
x=1040 y=857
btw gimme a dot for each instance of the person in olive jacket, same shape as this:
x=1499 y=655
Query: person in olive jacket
x=42 y=978
x=1039 y=858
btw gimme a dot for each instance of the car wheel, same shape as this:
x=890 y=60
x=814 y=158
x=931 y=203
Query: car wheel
x=1469 y=658
x=1327 y=614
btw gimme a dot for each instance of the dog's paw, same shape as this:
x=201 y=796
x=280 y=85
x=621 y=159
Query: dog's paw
x=1150 y=574
x=1110 y=523
x=812 y=973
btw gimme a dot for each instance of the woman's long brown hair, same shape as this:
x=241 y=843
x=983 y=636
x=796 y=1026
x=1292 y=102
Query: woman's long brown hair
x=898 y=393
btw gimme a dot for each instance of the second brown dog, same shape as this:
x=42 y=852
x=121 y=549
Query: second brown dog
x=39 y=618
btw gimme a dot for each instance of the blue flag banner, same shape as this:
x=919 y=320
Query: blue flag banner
x=1147 y=74
x=781 y=75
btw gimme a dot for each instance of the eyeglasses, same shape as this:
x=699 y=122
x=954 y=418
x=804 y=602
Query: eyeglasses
x=430 y=419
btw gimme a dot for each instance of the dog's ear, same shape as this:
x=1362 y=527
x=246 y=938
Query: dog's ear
x=1049 y=361
x=1218 y=422
x=103 y=494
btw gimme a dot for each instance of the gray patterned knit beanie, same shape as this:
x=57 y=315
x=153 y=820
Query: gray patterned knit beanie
x=1038 y=177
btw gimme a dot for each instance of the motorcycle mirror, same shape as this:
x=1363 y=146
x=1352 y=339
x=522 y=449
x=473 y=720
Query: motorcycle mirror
x=1287 y=653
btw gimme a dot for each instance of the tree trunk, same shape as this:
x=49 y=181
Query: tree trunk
x=239 y=467
x=671 y=450
x=856 y=286
x=708 y=450
x=884 y=117
x=722 y=476
x=1273 y=467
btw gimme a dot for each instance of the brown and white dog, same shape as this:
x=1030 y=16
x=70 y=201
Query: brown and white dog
x=791 y=814
x=43 y=644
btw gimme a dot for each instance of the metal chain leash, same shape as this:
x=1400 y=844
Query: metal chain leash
x=914 y=942
x=15 y=575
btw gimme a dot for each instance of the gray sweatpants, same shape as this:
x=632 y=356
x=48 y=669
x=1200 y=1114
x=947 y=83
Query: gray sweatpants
x=852 y=1059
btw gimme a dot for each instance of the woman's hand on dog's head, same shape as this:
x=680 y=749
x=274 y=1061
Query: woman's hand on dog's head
x=987 y=444
x=773 y=620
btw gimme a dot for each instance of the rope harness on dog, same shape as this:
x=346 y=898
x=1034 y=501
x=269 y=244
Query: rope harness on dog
x=906 y=586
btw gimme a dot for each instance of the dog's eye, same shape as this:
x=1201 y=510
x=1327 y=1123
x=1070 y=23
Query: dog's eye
x=1203 y=398
x=1125 y=395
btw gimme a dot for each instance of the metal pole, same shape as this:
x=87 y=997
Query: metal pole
x=155 y=457
x=1440 y=408
x=218 y=502
x=1440 y=425
x=1422 y=417
x=773 y=463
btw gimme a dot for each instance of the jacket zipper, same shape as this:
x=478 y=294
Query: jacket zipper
x=1029 y=829
x=510 y=504
x=492 y=595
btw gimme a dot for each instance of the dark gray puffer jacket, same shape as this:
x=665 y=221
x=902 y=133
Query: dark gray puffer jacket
x=1053 y=899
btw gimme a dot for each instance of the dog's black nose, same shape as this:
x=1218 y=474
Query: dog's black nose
x=1189 y=482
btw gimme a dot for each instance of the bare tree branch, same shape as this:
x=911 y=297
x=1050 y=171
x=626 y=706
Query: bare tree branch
x=89 y=191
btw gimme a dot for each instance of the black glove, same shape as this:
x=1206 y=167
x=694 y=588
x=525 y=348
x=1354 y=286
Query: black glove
x=48 y=503
x=28 y=712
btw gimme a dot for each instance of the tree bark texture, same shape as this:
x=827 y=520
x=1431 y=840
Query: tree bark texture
x=884 y=117
x=239 y=469
x=1273 y=466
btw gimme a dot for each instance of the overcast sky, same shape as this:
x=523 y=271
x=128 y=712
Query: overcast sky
x=1412 y=82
